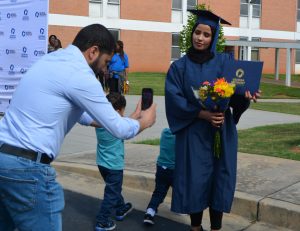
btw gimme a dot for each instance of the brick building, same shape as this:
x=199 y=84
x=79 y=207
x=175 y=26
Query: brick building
x=150 y=28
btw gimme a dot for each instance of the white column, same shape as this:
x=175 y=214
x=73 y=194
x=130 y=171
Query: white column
x=288 y=67
x=104 y=8
x=184 y=12
x=250 y=10
x=277 y=63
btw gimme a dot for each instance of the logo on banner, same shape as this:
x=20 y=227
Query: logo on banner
x=23 y=70
x=24 y=52
x=9 y=87
x=10 y=51
x=42 y=34
x=39 y=14
x=11 y=70
x=39 y=53
x=11 y=15
x=26 y=33
x=25 y=15
x=12 y=33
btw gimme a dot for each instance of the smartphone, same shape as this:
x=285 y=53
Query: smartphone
x=147 y=98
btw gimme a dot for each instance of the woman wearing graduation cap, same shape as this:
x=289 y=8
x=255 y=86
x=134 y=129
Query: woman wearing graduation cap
x=201 y=180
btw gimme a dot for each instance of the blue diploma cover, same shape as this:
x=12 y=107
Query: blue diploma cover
x=245 y=74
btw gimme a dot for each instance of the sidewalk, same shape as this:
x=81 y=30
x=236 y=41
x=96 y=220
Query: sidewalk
x=268 y=189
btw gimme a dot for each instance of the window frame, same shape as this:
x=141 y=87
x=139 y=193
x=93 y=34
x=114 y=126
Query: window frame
x=243 y=3
x=177 y=9
x=176 y=46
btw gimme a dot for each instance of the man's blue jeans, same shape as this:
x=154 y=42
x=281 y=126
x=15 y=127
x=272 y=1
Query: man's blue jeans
x=113 y=198
x=163 y=181
x=30 y=198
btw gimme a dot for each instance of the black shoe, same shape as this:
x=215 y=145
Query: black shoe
x=123 y=211
x=105 y=226
x=148 y=219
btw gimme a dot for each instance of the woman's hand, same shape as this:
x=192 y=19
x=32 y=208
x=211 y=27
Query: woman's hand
x=253 y=97
x=137 y=112
x=215 y=118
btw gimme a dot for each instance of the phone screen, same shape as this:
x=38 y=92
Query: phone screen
x=147 y=98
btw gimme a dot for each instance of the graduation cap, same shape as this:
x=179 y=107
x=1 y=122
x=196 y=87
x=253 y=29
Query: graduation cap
x=209 y=18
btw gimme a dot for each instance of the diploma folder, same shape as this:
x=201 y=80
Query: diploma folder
x=245 y=74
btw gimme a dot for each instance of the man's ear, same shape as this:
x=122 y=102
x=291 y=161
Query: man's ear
x=92 y=53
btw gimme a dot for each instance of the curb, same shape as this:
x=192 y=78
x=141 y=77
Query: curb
x=252 y=207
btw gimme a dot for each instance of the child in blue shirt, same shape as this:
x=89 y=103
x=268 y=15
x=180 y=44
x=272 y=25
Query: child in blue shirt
x=110 y=161
x=164 y=174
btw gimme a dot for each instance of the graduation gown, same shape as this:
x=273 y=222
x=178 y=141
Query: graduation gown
x=200 y=179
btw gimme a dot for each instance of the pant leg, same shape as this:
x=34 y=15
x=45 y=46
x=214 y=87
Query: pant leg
x=163 y=181
x=6 y=222
x=215 y=219
x=112 y=192
x=30 y=194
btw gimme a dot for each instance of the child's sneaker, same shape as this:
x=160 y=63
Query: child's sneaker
x=148 y=219
x=105 y=226
x=122 y=212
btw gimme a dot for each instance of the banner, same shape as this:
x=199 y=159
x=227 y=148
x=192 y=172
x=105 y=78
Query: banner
x=23 y=40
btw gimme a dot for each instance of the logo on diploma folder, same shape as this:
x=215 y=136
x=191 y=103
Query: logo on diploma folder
x=245 y=74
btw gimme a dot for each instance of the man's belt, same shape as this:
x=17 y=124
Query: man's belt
x=25 y=153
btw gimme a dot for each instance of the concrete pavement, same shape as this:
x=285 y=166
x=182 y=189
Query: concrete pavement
x=268 y=189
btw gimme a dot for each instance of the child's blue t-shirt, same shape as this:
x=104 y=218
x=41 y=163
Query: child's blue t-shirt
x=110 y=150
x=166 y=156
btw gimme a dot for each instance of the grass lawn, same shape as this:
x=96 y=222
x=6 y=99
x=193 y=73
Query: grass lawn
x=288 y=108
x=295 y=78
x=139 y=80
x=276 y=140
x=157 y=82
x=272 y=91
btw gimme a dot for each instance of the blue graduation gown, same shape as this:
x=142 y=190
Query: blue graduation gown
x=200 y=179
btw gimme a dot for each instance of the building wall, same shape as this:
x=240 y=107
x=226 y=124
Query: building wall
x=280 y=16
x=147 y=51
x=69 y=7
x=151 y=51
x=150 y=10
x=230 y=12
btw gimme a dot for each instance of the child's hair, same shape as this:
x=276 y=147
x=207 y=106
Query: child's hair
x=117 y=100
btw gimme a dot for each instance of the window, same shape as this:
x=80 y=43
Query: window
x=256 y=13
x=95 y=8
x=298 y=11
x=176 y=4
x=191 y=4
x=254 y=50
x=117 y=2
x=176 y=54
x=113 y=9
x=297 y=56
x=115 y=33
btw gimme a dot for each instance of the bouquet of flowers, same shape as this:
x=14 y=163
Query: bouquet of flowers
x=215 y=97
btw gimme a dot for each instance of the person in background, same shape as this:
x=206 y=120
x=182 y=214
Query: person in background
x=41 y=113
x=51 y=43
x=202 y=180
x=163 y=176
x=118 y=68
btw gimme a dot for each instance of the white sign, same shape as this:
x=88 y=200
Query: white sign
x=23 y=40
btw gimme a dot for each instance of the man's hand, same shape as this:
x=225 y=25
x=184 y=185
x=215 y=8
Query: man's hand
x=148 y=117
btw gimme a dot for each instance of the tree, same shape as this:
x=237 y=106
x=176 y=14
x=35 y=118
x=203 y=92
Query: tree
x=185 y=41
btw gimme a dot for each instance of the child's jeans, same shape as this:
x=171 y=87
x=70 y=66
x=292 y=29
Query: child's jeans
x=113 y=198
x=163 y=181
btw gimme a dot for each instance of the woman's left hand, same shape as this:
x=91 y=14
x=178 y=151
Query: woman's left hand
x=253 y=97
